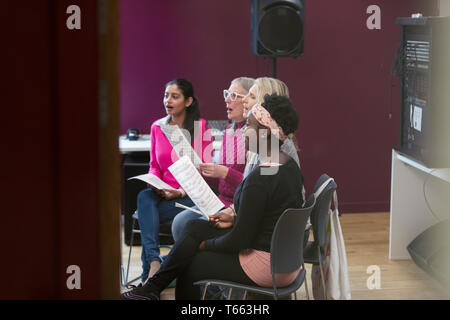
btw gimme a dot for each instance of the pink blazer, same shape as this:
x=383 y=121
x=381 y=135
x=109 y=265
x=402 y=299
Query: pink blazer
x=162 y=155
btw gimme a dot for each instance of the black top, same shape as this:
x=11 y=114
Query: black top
x=259 y=201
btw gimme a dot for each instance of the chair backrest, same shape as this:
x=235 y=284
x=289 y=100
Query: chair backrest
x=286 y=252
x=320 y=212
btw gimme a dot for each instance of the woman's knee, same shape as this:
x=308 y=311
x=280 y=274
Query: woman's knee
x=177 y=226
x=197 y=229
x=146 y=197
x=196 y=225
x=180 y=223
x=146 y=194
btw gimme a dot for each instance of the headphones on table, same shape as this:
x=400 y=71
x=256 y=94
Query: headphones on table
x=132 y=134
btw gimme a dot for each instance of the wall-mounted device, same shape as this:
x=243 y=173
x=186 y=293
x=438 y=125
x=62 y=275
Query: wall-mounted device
x=424 y=55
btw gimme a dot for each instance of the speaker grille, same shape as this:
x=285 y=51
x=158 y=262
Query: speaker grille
x=280 y=29
x=417 y=54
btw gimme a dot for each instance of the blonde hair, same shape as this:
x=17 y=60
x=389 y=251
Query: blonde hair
x=266 y=85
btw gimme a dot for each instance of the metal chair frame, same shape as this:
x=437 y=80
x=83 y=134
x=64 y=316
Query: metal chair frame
x=319 y=220
x=134 y=231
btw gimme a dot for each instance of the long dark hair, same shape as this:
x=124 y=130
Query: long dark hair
x=193 y=111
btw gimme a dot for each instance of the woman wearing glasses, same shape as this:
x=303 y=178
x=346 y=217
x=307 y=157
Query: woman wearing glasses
x=228 y=173
x=155 y=206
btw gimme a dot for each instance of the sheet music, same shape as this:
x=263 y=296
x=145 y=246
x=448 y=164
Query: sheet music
x=179 y=205
x=153 y=180
x=195 y=186
x=180 y=143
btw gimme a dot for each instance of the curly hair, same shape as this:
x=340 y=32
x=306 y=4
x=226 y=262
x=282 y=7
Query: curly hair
x=281 y=110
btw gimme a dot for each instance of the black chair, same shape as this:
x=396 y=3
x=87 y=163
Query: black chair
x=165 y=239
x=314 y=252
x=286 y=254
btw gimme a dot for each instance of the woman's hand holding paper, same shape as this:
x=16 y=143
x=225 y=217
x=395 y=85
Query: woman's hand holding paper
x=169 y=194
x=222 y=220
x=212 y=170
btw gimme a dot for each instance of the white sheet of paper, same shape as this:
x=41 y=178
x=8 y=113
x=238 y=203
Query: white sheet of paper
x=195 y=186
x=179 y=205
x=180 y=144
x=150 y=178
x=417 y=118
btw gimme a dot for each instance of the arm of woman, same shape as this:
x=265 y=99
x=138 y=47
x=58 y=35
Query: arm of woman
x=248 y=222
x=234 y=144
x=208 y=154
x=154 y=165
x=224 y=219
x=231 y=173
x=203 y=144
x=235 y=176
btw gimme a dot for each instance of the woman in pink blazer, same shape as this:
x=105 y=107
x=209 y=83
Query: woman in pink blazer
x=157 y=206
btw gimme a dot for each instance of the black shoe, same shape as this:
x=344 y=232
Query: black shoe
x=140 y=293
x=132 y=286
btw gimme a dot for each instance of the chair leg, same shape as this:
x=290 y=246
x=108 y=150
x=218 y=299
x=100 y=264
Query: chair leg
x=204 y=291
x=322 y=275
x=306 y=285
x=122 y=275
x=129 y=252
x=245 y=295
x=229 y=293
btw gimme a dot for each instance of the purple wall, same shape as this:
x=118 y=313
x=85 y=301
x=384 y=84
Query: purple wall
x=340 y=86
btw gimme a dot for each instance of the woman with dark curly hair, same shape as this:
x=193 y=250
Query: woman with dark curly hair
x=237 y=247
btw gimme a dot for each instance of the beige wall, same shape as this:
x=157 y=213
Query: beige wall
x=444 y=7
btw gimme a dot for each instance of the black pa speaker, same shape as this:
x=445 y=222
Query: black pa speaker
x=277 y=28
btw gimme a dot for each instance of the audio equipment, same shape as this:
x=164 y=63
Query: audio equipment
x=424 y=74
x=277 y=28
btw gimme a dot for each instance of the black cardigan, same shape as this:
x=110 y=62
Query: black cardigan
x=259 y=201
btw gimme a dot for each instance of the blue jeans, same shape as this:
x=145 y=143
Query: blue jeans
x=153 y=210
x=181 y=220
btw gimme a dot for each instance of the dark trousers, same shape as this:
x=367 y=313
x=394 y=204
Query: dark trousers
x=188 y=265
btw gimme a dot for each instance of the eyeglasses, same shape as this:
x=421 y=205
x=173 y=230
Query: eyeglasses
x=233 y=95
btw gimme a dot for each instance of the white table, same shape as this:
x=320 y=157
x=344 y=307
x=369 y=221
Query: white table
x=140 y=145
x=412 y=185
x=143 y=143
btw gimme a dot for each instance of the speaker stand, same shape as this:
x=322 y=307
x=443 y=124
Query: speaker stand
x=274 y=67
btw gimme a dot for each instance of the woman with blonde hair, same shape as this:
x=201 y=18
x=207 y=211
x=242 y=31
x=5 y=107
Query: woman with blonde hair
x=268 y=86
x=260 y=88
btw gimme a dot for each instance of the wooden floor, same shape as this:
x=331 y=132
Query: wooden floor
x=367 y=243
